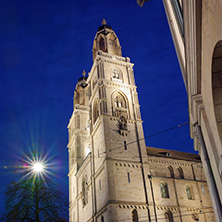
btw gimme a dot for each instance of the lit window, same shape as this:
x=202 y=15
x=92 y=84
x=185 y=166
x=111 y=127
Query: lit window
x=119 y=105
x=189 y=195
x=164 y=190
x=119 y=101
x=116 y=74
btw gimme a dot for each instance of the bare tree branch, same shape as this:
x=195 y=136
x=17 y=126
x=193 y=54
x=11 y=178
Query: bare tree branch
x=34 y=200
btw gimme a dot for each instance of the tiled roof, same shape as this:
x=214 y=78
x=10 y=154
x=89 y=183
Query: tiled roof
x=174 y=154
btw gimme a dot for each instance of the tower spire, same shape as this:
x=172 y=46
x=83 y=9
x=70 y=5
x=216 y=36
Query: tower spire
x=104 y=22
x=84 y=73
x=106 y=41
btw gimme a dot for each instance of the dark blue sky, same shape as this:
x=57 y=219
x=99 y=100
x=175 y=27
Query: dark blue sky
x=45 y=45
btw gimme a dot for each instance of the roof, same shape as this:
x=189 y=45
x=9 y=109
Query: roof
x=174 y=154
x=104 y=27
x=82 y=82
x=82 y=78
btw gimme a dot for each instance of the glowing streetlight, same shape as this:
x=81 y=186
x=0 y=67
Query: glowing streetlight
x=38 y=167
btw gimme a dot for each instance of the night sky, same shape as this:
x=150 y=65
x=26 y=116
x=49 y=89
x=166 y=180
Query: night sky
x=44 y=47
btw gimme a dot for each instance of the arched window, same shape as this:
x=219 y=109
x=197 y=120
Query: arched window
x=119 y=105
x=168 y=216
x=116 y=74
x=95 y=111
x=119 y=101
x=164 y=190
x=189 y=194
x=102 y=44
x=180 y=174
x=135 y=216
x=170 y=172
x=102 y=219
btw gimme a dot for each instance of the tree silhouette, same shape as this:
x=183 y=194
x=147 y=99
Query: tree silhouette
x=34 y=199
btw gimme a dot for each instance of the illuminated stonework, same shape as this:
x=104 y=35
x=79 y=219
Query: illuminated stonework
x=113 y=176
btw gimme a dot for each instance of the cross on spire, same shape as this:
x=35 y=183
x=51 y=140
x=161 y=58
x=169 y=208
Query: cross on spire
x=84 y=73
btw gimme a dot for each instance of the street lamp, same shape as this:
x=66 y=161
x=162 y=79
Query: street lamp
x=37 y=167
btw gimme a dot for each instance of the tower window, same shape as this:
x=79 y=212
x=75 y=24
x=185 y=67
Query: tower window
x=189 y=194
x=164 y=190
x=119 y=105
x=118 y=102
x=125 y=145
x=102 y=219
x=116 y=74
x=128 y=175
x=135 y=216
x=102 y=44
x=168 y=216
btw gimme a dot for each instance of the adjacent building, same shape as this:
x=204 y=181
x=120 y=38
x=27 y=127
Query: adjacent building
x=113 y=176
x=197 y=34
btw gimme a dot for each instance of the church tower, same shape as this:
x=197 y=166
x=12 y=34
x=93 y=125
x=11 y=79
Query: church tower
x=113 y=176
x=105 y=131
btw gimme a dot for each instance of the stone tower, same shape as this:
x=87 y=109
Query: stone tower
x=105 y=120
x=108 y=163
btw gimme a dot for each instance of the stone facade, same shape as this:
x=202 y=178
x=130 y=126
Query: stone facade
x=113 y=176
x=196 y=29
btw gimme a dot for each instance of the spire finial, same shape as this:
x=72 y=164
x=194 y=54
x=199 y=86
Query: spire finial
x=84 y=73
x=104 y=22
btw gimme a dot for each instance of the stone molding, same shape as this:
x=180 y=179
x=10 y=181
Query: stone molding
x=195 y=117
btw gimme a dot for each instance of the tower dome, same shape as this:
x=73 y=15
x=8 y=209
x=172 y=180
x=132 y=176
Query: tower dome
x=106 y=40
x=80 y=96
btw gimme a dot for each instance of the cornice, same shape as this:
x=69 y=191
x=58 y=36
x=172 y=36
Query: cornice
x=118 y=84
x=81 y=108
x=118 y=60
x=170 y=162
x=195 y=117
